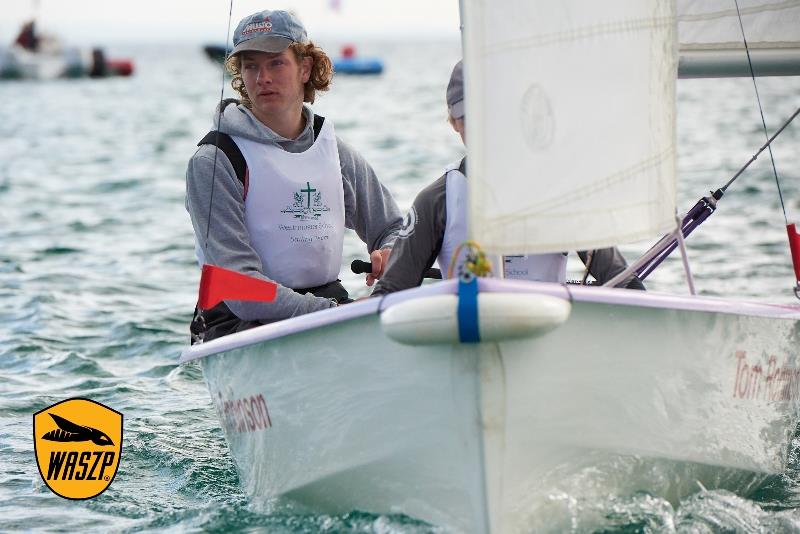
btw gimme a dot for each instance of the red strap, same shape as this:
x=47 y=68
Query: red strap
x=218 y=284
x=794 y=246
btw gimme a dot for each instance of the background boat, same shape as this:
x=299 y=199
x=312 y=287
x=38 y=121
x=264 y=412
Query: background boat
x=37 y=55
x=349 y=62
x=216 y=53
x=17 y=63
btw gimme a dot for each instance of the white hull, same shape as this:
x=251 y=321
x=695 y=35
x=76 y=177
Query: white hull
x=479 y=437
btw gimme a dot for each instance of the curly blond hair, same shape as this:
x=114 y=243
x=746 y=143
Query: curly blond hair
x=320 y=79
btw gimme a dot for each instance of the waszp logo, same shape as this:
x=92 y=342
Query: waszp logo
x=78 y=444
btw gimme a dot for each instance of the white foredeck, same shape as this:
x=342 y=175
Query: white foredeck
x=570 y=292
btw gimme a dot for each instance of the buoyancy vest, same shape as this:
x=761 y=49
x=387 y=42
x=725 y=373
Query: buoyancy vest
x=455 y=230
x=294 y=209
x=550 y=267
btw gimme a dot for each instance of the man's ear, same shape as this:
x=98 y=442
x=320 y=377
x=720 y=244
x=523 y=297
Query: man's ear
x=306 y=64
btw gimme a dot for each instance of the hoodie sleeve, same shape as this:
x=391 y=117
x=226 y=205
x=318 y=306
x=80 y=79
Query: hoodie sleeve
x=419 y=242
x=370 y=209
x=228 y=243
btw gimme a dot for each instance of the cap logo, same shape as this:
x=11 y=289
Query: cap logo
x=257 y=27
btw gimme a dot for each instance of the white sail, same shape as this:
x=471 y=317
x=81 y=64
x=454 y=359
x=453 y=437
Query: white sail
x=712 y=44
x=570 y=122
x=714 y=24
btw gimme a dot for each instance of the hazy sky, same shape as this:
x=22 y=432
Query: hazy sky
x=107 y=21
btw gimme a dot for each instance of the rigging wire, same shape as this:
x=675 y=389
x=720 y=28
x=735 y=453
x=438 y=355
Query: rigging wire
x=219 y=127
x=760 y=150
x=761 y=110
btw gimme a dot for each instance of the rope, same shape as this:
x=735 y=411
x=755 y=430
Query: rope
x=761 y=110
x=219 y=127
x=476 y=262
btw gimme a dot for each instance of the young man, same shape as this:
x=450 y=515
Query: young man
x=272 y=190
x=437 y=224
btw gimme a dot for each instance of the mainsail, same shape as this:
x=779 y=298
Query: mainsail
x=711 y=43
x=571 y=109
x=570 y=122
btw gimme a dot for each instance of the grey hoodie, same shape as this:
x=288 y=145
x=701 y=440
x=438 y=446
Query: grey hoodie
x=370 y=209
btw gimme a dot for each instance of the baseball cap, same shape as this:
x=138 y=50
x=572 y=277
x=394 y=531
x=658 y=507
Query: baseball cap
x=268 y=31
x=455 y=92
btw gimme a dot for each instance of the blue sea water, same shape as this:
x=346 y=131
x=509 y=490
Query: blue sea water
x=98 y=278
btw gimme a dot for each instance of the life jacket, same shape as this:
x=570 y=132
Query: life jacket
x=225 y=143
x=294 y=205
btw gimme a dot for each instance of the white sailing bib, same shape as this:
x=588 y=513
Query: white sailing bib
x=294 y=210
x=537 y=267
x=455 y=230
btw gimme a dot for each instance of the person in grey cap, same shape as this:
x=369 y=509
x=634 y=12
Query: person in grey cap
x=271 y=188
x=437 y=224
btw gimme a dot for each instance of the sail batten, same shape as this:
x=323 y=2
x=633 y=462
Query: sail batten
x=592 y=31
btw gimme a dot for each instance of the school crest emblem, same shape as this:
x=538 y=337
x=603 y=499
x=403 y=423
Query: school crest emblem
x=78 y=444
x=307 y=204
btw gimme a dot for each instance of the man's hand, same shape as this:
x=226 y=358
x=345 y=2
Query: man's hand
x=379 y=260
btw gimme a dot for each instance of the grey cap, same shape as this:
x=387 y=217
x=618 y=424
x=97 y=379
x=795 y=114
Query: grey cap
x=268 y=31
x=455 y=92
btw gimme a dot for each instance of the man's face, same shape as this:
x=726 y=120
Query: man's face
x=274 y=82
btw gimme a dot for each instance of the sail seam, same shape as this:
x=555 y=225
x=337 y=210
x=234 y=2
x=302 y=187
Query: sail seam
x=737 y=46
x=532 y=216
x=582 y=34
x=547 y=206
x=725 y=13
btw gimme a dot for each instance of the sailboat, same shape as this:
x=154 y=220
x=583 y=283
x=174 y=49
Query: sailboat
x=463 y=402
x=42 y=56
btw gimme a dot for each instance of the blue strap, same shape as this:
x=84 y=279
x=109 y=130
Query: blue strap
x=468 y=331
